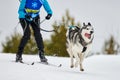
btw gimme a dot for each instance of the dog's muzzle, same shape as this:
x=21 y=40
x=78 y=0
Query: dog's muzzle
x=88 y=35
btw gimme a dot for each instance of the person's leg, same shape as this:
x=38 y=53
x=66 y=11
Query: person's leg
x=25 y=38
x=38 y=38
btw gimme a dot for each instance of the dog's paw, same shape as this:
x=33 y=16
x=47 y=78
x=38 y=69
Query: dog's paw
x=71 y=66
x=81 y=69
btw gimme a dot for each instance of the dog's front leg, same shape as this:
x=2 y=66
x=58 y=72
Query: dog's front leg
x=71 y=57
x=81 y=60
x=77 y=59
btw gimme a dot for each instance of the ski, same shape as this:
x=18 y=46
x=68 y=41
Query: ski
x=44 y=63
x=24 y=62
x=49 y=64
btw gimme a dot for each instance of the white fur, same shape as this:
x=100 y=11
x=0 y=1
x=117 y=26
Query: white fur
x=75 y=50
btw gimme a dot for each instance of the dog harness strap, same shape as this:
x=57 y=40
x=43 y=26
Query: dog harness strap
x=84 y=49
x=82 y=41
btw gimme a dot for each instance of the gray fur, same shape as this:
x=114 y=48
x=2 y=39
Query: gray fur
x=78 y=43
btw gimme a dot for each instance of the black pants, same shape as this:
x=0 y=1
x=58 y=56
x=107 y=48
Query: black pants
x=26 y=36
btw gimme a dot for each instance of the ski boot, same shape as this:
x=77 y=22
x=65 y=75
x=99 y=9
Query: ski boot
x=42 y=57
x=18 y=59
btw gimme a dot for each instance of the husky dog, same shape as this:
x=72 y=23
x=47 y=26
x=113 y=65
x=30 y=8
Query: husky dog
x=78 y=44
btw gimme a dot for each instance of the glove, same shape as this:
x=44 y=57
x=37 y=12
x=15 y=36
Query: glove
x=48 y=16
x=28 y=18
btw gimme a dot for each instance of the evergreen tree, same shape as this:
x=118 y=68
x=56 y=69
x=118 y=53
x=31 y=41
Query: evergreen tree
x=57 y=45
x=111 y=47
x=11 y=44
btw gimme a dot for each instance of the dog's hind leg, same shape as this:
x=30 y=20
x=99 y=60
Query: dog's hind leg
x=77 y=59
x=72 y=60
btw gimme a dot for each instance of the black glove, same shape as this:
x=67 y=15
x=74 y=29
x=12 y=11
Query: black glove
x=48 y=16
x=28 y=18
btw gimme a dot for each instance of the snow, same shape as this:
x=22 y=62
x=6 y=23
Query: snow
x=97 y=67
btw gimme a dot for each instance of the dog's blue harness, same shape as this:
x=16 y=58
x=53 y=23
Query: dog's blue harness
x=71 y=27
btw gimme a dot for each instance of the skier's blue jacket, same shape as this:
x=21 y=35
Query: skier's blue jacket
x=32 y=7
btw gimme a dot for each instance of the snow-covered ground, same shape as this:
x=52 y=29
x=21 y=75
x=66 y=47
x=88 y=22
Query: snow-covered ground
x=100 y=67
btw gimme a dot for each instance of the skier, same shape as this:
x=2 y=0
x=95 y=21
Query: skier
x=29 y=15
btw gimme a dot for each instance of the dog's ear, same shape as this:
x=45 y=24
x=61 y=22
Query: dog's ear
x=83 y=24
x=89 y=24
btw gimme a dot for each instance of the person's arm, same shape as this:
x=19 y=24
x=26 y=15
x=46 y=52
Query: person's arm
x=47 y=7
x=21 y=10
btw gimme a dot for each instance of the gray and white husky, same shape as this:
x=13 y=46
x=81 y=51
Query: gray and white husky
x=79 y=42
